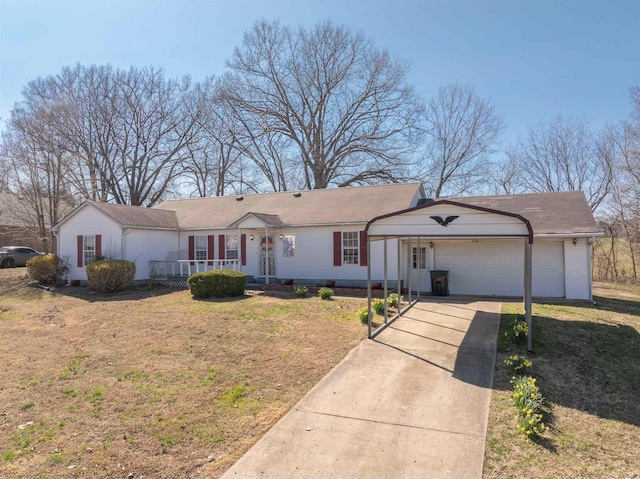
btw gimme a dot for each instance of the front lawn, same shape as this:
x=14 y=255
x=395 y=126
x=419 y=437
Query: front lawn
x=586 y=360
x=152 y=382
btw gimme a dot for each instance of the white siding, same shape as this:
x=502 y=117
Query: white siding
x=86 y=222
x=470 y=222
x=576 y=264
x=141 y=246
x=313 y=258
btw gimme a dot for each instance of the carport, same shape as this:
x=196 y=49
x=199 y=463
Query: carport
x=415 y=229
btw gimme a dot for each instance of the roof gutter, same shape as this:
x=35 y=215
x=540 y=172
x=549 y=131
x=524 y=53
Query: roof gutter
x=568 y=235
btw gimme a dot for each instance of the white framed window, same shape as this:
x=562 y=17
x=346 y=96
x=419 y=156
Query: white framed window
x=350 y=247
x=419 y=259
x=88 y=249
x=200 y=248
x=231 y=247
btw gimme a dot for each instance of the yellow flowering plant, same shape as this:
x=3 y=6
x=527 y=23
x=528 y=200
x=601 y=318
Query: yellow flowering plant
x=363 y=315
x=518 y=332
x=529 y=401
x=518 y=364
x=378 y=306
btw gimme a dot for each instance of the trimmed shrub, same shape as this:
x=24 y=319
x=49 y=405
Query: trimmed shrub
x=47 y=269
x=110 y=275
x=217 y=284
x=325 y=293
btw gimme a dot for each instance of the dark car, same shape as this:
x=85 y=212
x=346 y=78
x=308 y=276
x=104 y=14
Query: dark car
x=11 y=256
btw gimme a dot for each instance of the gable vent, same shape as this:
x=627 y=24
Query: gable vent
x=240 y=198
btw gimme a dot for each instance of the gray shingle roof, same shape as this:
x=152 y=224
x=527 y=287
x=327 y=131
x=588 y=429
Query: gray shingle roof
x=549 y=213
x=138 y=216
x=308 y=207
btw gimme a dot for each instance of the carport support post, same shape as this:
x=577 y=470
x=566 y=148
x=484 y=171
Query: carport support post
x=409 y=267
x=527 y=291
x=369 y=286
x=418 y=264
x=398 y=284
x=385 y=280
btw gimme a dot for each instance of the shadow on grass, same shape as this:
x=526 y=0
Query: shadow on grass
x=135 y=293
x=583 y=359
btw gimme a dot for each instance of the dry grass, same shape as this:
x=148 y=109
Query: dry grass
x=587 y=361
x=150 y=381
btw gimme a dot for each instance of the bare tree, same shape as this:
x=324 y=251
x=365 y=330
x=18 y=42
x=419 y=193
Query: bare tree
x=126 y=132
x=627 y=141
x=37 y=171
x=324 y=97
x=506 y=174
x=566 y=155
x=214 y=166
x=461 y=132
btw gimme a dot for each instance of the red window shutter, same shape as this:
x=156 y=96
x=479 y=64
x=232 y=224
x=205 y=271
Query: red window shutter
x=98 y=246
x=222 y=246
x=243 y=249
x=210 y=245
x=80 y=251
x=337 y=248
x=363 y=248
x=192 y=248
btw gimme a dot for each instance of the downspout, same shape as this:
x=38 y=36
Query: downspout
x=123 y=243
x=239 y=263
x=589 y=248
x=266 y=254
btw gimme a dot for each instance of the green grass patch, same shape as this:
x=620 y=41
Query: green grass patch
x=585 y=358
x=73 y=369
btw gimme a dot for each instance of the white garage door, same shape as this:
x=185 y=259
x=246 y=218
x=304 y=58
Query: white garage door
x=497 y=267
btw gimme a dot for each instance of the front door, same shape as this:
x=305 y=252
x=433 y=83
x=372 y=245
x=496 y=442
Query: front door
x=267 y=256
x=419 y=269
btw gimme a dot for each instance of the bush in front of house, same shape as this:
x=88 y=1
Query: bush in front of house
x=47 y=269
x=110 y=275
x=301 y=291
x=325 y=293
x=217 y=284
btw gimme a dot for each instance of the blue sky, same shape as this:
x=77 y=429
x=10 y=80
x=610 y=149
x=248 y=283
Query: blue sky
x=535 y=59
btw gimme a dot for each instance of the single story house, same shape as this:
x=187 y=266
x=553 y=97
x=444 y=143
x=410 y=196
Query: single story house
x=390 y=233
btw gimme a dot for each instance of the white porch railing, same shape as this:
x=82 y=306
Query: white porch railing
x=187 y=267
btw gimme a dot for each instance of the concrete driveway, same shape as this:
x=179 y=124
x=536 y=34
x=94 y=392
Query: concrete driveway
x=412 y=403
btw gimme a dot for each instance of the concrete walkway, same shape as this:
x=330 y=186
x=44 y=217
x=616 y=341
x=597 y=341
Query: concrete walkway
x=412 y=403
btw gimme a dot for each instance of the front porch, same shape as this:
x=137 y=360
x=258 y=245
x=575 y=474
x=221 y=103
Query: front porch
x=183 y=268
